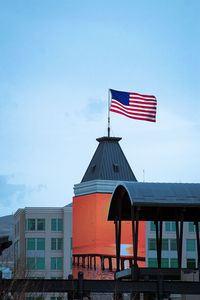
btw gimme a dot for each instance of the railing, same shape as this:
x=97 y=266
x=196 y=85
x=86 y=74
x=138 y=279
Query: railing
x=89 y=260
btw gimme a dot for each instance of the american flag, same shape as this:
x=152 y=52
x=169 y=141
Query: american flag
x=134 y=105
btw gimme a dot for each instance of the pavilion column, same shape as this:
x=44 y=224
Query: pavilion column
x=179 y=241
x=135 y=230
x=117 y=242
x=159 y=241
x=198 y=245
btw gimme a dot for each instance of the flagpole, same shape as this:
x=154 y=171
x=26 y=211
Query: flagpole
x=108 y=112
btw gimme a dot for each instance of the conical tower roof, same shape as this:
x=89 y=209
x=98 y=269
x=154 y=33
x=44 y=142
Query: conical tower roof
x=109 y=162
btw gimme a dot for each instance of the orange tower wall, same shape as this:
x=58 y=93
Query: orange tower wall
x=91 y=231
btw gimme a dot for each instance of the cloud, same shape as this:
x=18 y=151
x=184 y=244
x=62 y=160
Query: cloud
x=10 y=192
x=94 y=109
x=13 y=195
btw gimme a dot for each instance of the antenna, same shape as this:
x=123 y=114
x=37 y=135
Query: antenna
x=143 y=175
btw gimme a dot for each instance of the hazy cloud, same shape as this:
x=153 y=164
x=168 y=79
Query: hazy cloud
x=9 y=192
x=12 y=194
x=94 y=109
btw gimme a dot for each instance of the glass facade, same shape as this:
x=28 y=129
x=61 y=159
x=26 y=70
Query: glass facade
x=165 y=263
x=30 y=244
x=35 y=263
x=41 y=224
x=35 y=243
x=174 y=263
x=152 y=244
x=57 y=224
x=173 y=245
x=152 y=263
x=30 y=224
x=152 y=226
x=191 y=263
x=56 y=263
x=191 y=245
x=40 y=243
x=170 y=226
x=165 y=244
x=56 y=244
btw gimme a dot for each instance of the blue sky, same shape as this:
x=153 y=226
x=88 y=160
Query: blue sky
x=57 y=61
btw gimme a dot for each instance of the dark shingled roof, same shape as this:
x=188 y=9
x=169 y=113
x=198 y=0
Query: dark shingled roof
x=109 y=162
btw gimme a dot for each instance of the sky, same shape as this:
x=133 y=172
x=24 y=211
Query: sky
x=58 y=59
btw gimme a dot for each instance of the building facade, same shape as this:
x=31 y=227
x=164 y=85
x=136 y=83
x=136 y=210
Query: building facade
x=169 y=247
x=42 y=242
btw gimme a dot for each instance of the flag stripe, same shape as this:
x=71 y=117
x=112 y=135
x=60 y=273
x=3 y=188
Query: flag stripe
x=134 y=105
x=134 y=116
x=141 y=95
x=134 y=100
x=132 y=108
x=142 y=98
x=133 y=111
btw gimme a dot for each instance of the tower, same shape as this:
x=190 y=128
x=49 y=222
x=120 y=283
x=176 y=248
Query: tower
x=91 y=232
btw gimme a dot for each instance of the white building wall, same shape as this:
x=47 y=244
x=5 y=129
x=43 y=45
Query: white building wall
x=48 y=213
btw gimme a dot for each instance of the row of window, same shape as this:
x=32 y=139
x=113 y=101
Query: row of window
x=171 y=263
x=38 y=263
x=39 y=244
x=170 y=244
x=39 y=224
x=167 y=244
x=171 y=226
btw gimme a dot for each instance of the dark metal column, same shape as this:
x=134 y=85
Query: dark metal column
x=118 y=241
x=179 y=241
x=198 y=245
x=135 y=246
x=159 y=241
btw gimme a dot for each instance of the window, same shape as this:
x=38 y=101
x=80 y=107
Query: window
x=30 y=262
x=40 y=244
x=164 y=263
x=30 y=244
x=40 y=263
x=174 y=263
x=56 y=263
x=152 y=244
x=191 y=263
x=56 y=224
x=41 y=224
x=35 y=244
x=192 y=227
x=190 y=245
x=165 y=244
x=170 y=226
x=56 y=244
x=152 y=263
x=152 y=226
x=173 y=245
x=30 y=225
x=35 y=263
x=115 y=168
